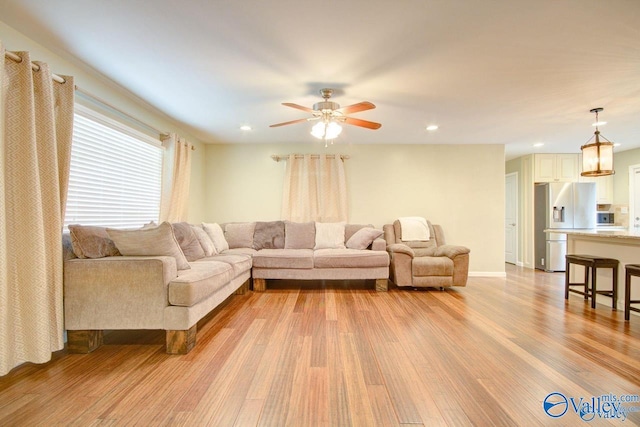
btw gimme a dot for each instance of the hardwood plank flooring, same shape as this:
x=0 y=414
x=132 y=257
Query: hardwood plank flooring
x=341 y=354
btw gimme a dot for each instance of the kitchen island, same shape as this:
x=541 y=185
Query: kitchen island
x=621 y=244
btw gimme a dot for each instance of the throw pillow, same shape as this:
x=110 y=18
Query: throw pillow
x=363 y=238
x=239 y=234
x=329 y=235
x=268 y=235
x=299 y=235
x=217 y=236
x=205 y=241
x=188 y=241
x=158 y=241
x=91 y=242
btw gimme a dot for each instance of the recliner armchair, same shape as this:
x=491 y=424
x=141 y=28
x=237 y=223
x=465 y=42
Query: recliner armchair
x=430 y=263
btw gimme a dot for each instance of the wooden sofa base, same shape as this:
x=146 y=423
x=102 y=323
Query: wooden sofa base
x=84 y=341
x=181 y=342
x=260 y=285
x=177 y=342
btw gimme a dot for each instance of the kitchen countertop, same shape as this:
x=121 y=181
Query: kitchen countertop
x=617 y=233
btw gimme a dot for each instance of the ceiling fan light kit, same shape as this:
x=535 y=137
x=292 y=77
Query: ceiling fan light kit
x=330 y=115
x=597 y=157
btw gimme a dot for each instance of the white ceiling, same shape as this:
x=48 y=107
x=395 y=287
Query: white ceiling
x=510 y=72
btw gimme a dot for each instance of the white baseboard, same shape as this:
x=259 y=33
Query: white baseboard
x=487 y=274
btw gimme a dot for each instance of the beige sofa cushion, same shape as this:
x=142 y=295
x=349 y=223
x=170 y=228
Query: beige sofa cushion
x=432 y=266
x=205 y=241
x=191 y=247
x=199 y=283
x=240 y=234
x=156 y=241
x=283 y=258
x=215 y=232
x=299 y=235
x=363 y=238
x=239 y=263
x=351 y=229
x=91 y=242
x=329 y=235
x=349 y=258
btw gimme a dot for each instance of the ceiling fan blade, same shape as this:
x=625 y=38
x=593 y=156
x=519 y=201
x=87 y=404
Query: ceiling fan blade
x=299 y=107
x=289 y=123
x=360 y=106
x=362 y=123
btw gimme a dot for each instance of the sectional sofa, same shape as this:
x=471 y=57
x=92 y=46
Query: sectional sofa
x=170 y=276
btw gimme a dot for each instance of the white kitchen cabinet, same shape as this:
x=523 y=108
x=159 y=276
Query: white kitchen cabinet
x=604 y=188
x=556 y=167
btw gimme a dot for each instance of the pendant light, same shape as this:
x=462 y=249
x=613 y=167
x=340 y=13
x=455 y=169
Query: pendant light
x=597 y=157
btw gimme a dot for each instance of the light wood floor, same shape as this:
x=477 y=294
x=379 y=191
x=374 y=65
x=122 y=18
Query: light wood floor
x=340 y=355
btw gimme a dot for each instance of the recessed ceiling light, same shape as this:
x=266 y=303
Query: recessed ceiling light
x=617 y=144
x=432 y=127
x=599 y=124
x=245 y=127
x=538 y=144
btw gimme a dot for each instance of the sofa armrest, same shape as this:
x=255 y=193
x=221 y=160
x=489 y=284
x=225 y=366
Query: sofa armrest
x=400 y=264
x=379 y=244
x=451 y=251
x=123 y=292
x=460 y=257
x=400 y=248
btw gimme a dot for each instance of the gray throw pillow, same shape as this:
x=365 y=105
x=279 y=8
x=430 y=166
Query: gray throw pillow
x=188 y=241
x=90 y=241
x=299 y=235
x=157 y=241
x=268 y=235
x=363 y=238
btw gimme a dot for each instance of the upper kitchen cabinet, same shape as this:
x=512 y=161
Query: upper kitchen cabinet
x=604 y=187
x=556 y=167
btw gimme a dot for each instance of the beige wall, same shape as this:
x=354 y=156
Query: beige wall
x=97 y=85
x=460 y=187
x=621 y=163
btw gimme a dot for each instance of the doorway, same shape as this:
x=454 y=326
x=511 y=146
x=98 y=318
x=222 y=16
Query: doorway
x=511 y=218
x=634 y=197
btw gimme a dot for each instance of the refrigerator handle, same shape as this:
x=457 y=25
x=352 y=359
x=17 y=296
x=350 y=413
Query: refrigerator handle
x=558 y=214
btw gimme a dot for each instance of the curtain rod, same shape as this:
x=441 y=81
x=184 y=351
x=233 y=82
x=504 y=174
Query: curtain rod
x=57 y=78
x=277 y=157
x=34 y=67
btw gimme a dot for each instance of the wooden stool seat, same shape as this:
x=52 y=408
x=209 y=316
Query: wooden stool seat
x=591 y=264
x=630 y=270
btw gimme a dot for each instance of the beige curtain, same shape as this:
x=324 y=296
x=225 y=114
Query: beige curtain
x=315 y=189
x=36 y=127
x=176 y=177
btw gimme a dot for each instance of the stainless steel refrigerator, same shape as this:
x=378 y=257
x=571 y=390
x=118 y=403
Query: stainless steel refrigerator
x=560 y=205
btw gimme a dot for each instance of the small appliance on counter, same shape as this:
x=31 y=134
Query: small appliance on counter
x=605 y=218
x=560 y=205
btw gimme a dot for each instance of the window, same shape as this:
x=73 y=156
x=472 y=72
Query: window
x=115 y=175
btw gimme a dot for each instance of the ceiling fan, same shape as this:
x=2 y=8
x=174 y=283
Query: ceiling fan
x=330 y=115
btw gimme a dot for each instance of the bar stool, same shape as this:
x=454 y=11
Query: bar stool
x=630 y=270
x=591 y=265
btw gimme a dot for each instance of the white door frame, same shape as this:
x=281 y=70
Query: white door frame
x=515 y=176
x=632 y=194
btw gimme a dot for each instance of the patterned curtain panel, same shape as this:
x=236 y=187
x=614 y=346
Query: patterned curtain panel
x=36 y=127
x=176 y=177
x=315 y=189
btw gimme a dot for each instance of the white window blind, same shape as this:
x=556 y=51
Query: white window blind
x=115 y=175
